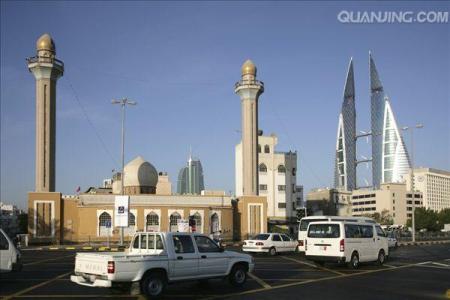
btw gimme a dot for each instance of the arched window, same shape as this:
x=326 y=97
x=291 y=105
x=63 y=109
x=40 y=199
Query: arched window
x=131 y=229
x=215 y=226
x=152 y=222
x=259 y=148
x=266 y=149
x=104 y=224
x=198 y=222
x=281 y=169
x=173 y=225
x=294 y=172
x=263 y=168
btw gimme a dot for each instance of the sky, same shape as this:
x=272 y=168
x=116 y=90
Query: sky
x=179 y=61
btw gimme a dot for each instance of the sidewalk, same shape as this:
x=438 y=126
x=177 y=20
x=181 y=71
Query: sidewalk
x=422 y=243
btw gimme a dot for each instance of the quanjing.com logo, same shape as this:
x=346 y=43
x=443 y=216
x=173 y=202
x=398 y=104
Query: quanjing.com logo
x=369 y=17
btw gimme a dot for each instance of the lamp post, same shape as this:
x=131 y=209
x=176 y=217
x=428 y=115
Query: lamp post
x=413 y=218
x=123 y=102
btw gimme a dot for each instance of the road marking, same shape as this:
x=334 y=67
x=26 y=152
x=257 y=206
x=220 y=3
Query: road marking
x=46 y=260
x=313 y=281
x=70 y=248
x=77 y=296
x=53 y=248
x=312 y=265
x=389 y=266
x=434 y=267
x=19 y=293
x=260 y=281
x=439 y=264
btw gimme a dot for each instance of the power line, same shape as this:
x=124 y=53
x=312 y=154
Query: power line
x=84 y=111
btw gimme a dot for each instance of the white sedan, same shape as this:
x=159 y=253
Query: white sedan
x=271 y=243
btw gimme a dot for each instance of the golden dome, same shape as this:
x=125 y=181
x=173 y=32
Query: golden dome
x=248 y=68
x=45 y=42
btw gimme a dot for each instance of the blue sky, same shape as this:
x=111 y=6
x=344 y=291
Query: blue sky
x=180 y=60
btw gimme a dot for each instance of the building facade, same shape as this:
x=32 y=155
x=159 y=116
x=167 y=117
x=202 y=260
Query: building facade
x=277 y=177
x=190 y=178
x=434 y=184
x=345 y=162
x=391 y=198
x=390 y=160
x=329 y=201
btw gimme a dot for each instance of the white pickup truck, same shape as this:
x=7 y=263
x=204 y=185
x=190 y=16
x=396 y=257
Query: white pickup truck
x=155 y=259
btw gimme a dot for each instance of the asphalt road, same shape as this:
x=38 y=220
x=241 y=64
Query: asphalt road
x=412 y=272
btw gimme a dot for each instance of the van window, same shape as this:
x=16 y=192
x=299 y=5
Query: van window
x=183 y=244
x=380 y=231
x=4 y=244
x=352 y=231
x=366 y=231
x=304 y=223
x=324 y=231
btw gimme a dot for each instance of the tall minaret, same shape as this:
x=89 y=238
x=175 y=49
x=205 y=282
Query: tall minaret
x=249 y=89
x=46 y=69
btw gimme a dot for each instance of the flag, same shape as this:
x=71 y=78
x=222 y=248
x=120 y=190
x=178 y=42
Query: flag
x=78 y=189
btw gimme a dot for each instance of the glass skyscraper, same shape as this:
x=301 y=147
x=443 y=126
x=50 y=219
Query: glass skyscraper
x=345 y=162
x=390 y=158
x=190 y=178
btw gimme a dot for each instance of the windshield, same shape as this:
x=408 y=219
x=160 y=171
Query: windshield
x=305 y=222
x=261 y=237
x=324 y=231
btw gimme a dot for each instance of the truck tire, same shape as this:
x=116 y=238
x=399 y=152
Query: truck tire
x=381 y=258
x=238 y=275
x=354 y=261
x=153 y=285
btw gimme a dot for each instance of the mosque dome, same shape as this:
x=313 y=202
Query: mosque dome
x=248 y=68
x=45 y=42
x=140 y=173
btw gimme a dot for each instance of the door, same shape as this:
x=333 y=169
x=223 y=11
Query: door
x=5 y=253
x=381 y=240
x=212 y=260
x=368 y=245
x=278 y=242
x=185 y=263
x=289 y=244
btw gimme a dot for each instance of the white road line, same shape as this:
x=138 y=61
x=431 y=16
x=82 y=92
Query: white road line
x=439 y=264
x=389 y=266
x=312 y=265
x=260 y=281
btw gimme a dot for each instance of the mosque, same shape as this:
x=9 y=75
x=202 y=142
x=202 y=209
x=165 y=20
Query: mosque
x=57 y=218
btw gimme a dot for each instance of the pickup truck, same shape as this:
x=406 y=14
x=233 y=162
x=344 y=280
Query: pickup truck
x=155 y=259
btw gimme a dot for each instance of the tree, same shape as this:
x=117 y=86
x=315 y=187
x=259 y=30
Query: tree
x=425 y=219
x=444 y=217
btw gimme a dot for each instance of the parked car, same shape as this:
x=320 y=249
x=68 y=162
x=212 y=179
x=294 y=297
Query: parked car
x=154 y=260
x=392 y=240
x=346 y=242
x=271 y=243
x=304 y=222
x=9 y=255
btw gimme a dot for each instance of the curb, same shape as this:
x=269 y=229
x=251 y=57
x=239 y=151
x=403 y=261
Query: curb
x=76 y=248
x=423 y=243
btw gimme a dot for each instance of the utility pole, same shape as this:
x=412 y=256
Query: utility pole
x=413 y=218
x=123 y=102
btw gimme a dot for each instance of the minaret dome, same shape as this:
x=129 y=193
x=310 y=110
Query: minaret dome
x=45 y=42
x=248 y=68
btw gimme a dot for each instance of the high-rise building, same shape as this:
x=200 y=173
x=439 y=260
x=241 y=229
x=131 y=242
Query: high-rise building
x=277 y=177
x=434 y=185
x=390 y=160
x=249 y=89
x=190 y=178
x=345 y=163
x=46 y=70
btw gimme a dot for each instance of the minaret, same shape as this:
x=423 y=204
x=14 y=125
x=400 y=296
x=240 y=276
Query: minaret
x=249 y=89
x=46 y=69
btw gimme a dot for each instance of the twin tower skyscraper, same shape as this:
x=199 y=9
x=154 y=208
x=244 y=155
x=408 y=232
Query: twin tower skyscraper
x=390 y=160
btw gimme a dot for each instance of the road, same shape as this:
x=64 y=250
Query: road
x=412 y=272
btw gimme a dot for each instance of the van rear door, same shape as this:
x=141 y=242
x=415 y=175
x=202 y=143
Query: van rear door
x=323 y=239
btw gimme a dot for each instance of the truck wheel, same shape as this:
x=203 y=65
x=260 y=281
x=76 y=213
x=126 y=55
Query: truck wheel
x=238 y=275
x=153 y=285
x=354 y=261
x=381 y=257
x=272 y=251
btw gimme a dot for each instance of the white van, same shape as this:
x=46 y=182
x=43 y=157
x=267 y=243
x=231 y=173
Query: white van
x=349 y=242
x=9 y=255
x=304 y=222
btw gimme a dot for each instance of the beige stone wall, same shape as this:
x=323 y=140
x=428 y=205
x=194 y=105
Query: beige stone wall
x=242 y=215
x=36 y=203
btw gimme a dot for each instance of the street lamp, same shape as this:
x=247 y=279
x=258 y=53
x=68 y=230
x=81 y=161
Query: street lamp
x=123 y=102
x=413 y=219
